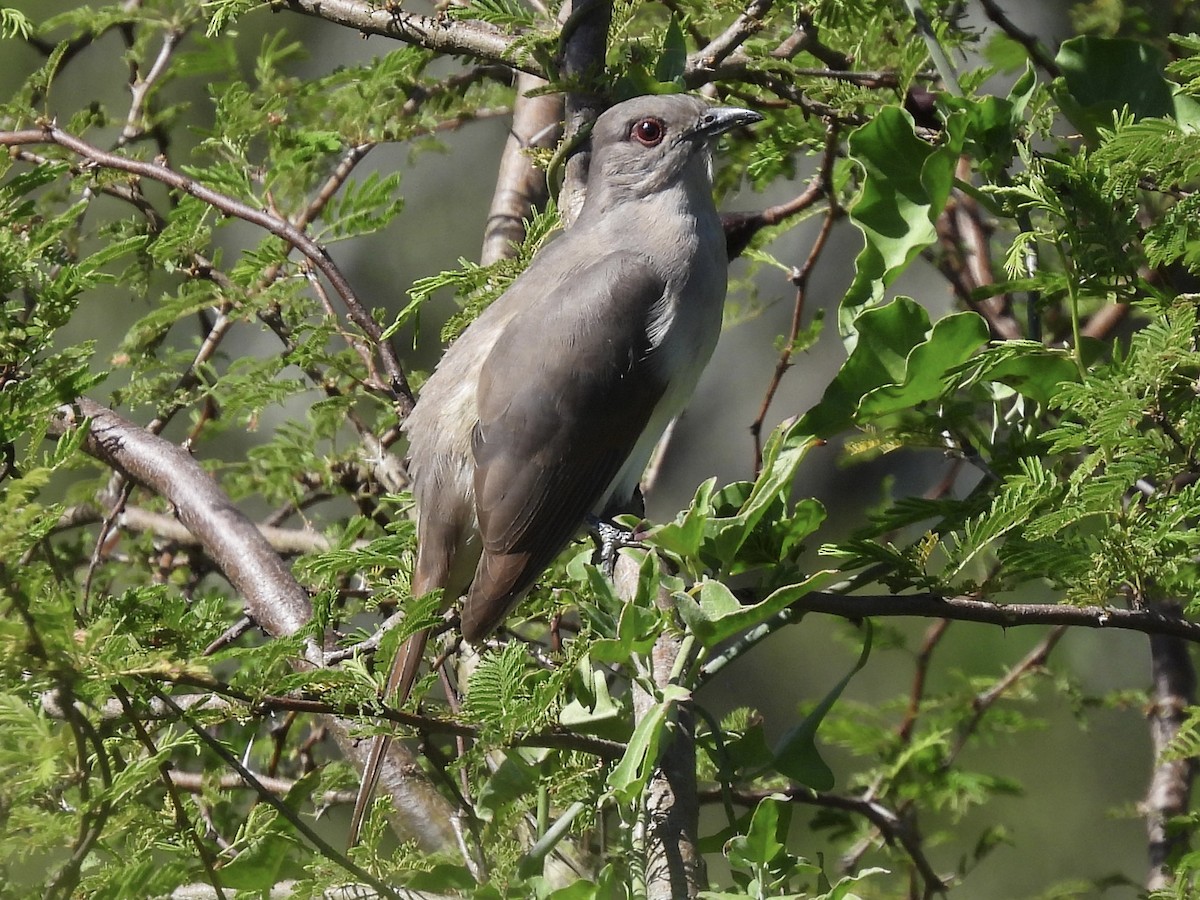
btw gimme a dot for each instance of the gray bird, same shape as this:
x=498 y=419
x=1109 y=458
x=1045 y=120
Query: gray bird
x=547 y=408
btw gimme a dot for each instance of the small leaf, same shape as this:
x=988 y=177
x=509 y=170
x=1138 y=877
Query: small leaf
x=765 y=839
x=629 y=776
x=673 y=60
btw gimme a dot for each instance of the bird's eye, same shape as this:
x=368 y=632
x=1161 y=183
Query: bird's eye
x=648 y=132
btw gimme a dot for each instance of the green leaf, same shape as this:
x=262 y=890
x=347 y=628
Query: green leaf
x=672 y=61
x=952 y=342
x=718 y=616
x=629 y=776
x=886 y=335
x=797 y=756
x=906 y=183
x=766 y=838
x=1105 y=75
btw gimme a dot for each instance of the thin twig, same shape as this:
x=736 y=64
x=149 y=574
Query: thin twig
x=1005 y=615
x=141 y=88
x=823 y=182
x=326 y=849
x=1032 y=661
x=182 y=822
x=319 y=257
x=1032 y=45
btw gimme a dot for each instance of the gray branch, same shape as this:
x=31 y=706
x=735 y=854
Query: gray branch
x=674 y=865
x=443 y=34
x=520 y=185
x=1167 y=798
x=273 y=598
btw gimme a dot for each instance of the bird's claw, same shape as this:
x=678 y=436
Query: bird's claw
x=610 y=539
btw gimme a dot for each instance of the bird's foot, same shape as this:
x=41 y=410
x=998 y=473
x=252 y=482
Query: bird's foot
x=610 y=539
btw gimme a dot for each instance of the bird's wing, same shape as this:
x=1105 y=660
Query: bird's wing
x=560 y=411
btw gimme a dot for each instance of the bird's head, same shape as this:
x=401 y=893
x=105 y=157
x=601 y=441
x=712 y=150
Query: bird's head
x=647 y=144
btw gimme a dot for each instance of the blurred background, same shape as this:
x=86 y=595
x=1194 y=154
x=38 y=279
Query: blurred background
x=1080 y=776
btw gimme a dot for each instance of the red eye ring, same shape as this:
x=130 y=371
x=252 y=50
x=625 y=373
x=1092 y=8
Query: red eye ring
x=648 y=132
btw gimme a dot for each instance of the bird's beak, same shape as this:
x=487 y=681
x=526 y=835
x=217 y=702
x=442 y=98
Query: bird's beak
x=719 y=119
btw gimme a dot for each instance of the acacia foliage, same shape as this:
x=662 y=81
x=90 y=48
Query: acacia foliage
x=1057 y=208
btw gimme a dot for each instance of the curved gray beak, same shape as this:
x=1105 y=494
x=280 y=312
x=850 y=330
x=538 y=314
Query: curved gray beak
x=720 y=119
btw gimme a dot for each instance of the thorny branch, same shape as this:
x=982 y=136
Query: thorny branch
x=1005 y=615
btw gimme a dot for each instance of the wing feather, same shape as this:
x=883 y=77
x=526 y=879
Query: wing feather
x=557 y=421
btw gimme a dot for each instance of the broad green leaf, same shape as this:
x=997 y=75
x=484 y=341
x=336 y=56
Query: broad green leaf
x=717 y=615
x=797 y=756
x=906 y=183
x=952 y=342
x=886 y=335
x=599 y=715
x=766 y=838
x=1104 y=75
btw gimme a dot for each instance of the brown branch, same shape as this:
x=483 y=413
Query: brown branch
x=967 y=262
x=707 y=59
x=820 y=185
x=929 y=643
x=1033 y=47
x=740 y=228
x=1010 y=615
x=806 y=39
x=272 y=596
x=1032 y=661
x=316 y=254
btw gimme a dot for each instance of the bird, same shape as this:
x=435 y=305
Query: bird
x=544 y=412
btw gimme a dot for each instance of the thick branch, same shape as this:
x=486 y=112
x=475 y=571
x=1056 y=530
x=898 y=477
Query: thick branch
x=1167 y=798
x=520 y=185
x=273 y=597
x=584 y=44
x=443 y=34
x=671 y=814
x=720 y=48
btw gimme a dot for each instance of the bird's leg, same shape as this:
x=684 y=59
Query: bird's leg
x=611 y=537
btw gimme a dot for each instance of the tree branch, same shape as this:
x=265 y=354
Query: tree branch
x=1167 y=798
x=443 y=34
x=399 y=389
x=274 y=599
x=675 y=868
x=1006 y=615
x=520 y=185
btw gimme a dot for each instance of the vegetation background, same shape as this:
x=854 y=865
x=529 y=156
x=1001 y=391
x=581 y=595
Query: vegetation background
x=1025 y=174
